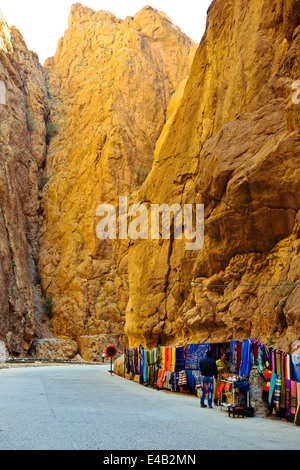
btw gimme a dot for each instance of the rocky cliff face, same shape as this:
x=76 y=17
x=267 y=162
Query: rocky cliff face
x=23 y=112
x=133 y=108
x=110 y=82
x=234 y=146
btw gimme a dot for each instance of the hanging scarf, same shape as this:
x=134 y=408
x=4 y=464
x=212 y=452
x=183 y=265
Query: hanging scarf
x=145 y=368
x=278 y=363
x=283 y=364
x=259 y=362
x=143 y=364
x=257 y=348
x=246 y=359
x=170 y=351
x=173 y=359
x=266 y=356
x=179 y=359
x=272 y=388
x=293 y=397
x=233 y=357
x=272 y=361
x=288 y=366
x=190 y=379
x=297 y=415
x=162 y=357
x=288 y=398
x=277 y=393
x=160 y=378
x=282 y=393
x=159 y=357
x=266 y=384
x=127 y=360
x=132 y=362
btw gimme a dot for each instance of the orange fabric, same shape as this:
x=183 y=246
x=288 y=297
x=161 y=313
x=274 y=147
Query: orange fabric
x=221 y=386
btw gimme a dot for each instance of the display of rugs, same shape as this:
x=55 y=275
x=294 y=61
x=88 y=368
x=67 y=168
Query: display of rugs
x=174 y=368
x=194 y=354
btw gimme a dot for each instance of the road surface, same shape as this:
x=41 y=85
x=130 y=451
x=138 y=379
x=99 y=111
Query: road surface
x=84 y=407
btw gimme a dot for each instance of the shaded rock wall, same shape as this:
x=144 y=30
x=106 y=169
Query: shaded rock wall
x=23 y=111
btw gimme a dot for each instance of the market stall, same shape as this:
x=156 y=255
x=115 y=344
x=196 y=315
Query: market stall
x=177 y=369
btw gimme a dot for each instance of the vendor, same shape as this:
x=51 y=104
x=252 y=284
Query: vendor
x=223 y=364
x=223 y=367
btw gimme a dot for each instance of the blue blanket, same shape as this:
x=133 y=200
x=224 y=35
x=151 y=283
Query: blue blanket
x=194 y=354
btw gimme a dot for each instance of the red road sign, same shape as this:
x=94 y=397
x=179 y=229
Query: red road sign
x=111 y=351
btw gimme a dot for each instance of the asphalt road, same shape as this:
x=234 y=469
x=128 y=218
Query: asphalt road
x=87 y=408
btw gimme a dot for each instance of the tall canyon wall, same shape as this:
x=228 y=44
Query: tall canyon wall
x=134 y=108
x=23 y=114
x=110 y=82
x=234 y=146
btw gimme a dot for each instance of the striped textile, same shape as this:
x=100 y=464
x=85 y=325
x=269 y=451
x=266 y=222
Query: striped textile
x=277 y=390
x=297 y=415
x=288 y=398
x=282 y=393
x=167 y=383
x=182 y=380
x=293 y=397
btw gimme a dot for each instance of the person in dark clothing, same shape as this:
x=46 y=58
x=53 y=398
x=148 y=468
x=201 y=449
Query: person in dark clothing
x=208 y=369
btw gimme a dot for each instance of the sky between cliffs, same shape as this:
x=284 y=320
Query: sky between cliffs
x=43 y=23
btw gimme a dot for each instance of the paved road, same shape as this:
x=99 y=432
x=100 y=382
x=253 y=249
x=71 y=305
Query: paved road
x=87 y=408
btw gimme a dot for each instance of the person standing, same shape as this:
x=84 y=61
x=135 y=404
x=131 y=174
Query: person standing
x=103 y=357
x=223 y=367
x=208 y=371
x=222 y=364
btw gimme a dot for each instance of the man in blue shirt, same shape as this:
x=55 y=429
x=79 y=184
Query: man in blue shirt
x=208 y=369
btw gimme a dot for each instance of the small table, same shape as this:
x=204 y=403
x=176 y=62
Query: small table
x=236 y=411
x=233 y=394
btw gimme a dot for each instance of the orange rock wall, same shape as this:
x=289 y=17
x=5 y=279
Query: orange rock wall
x=233 y=146
x=110 y=83
x=133 y=108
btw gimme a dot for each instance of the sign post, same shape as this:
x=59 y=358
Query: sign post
x=111 y=352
